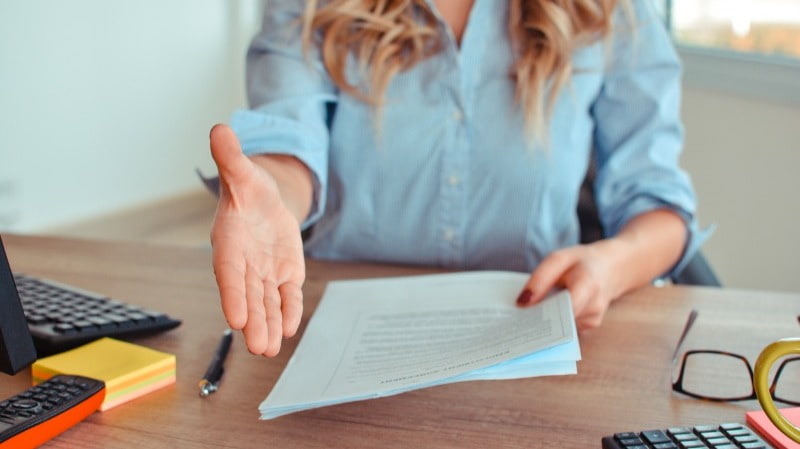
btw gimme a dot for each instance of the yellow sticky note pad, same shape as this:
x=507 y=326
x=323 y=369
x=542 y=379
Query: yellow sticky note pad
x=128 y=370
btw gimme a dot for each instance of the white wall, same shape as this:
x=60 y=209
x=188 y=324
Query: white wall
x=744 y=158
x=107 y=104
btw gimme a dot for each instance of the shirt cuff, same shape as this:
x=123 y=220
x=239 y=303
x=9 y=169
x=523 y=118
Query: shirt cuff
x=695 y=237
x=261 y=133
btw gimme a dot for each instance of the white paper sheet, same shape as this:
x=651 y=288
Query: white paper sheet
x=379 y=337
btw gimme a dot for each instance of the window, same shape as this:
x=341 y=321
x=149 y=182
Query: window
x=748 y=47
x=767 y=27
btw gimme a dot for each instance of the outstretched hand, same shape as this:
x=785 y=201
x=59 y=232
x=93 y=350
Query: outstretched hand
x=257 y=250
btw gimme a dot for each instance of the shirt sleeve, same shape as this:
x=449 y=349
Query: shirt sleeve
x=290 y=96
x=638 y=133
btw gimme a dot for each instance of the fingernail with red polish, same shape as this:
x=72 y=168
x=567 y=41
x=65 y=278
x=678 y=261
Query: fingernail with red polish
x=524 y=298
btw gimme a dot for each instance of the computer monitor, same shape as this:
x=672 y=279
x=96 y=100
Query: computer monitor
x=16 y=344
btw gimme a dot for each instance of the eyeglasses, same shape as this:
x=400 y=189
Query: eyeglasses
x=723 y=376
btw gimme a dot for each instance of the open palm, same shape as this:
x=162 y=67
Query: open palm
x=257 y=250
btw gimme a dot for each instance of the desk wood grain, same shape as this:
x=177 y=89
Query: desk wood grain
x=623 y=381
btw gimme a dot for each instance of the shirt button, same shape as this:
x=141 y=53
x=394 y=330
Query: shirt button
x=453 y=180
x=449 y=234
x=458 y=115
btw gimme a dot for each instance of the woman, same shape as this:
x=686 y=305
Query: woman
x=454 y=134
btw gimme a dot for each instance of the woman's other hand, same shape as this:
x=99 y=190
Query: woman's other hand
x=584 y=270
x=598 y=273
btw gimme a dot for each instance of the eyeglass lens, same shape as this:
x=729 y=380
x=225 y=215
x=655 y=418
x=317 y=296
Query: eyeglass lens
x=787 y=389
x=716 y=375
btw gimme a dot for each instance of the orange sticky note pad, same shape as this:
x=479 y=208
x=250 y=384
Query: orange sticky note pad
x=758 y=420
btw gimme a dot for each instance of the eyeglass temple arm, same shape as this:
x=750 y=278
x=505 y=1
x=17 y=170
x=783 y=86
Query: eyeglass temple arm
x=686 y=328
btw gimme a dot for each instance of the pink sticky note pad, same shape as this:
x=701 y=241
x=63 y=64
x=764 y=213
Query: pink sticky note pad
x=758 y=420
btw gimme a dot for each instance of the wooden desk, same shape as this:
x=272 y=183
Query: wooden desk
x=623 y=382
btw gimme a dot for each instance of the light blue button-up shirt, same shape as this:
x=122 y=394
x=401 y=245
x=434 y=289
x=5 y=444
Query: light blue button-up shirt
x=450 y=178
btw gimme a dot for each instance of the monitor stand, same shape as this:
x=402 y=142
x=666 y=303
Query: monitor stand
x=16 y=345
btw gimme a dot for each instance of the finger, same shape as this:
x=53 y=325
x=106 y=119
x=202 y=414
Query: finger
x=230 y=274
x=272 y=305
x=592 y=315
x=590 y=321
x=546 y=276
x=256 y=329
x=582 y=291
x=292 y=307
x=227 y=153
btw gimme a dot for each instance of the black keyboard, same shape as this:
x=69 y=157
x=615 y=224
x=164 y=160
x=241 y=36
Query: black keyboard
x=61 y=317
x=723 y=436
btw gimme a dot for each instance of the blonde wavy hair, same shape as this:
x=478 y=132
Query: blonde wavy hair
x=391 y=36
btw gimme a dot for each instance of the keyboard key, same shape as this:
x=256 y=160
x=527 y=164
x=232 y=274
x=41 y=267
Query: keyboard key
x=754 y=445
x=668 y=445
x=78 y=316
x=625 y=435
x=65 y=328
x=655 y=436
x=737 y=432
x=36 y=319
x=84 y=325
x=113 y=303
x=742 y=439
x=101 y=322
x=712 y=435
x=23 y=404
x=156 y=316
x=137 y=316
x=691 y=444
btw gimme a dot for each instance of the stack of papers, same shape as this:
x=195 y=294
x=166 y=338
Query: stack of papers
x=380 y=337
x=128 y=370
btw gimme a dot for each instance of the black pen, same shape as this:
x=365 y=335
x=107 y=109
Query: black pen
x=211 y=379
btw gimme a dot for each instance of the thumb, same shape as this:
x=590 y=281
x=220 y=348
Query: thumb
x=227 y=152
x=549 y=274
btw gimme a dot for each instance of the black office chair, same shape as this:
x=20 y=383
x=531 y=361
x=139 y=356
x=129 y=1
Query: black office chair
x=696 y=272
